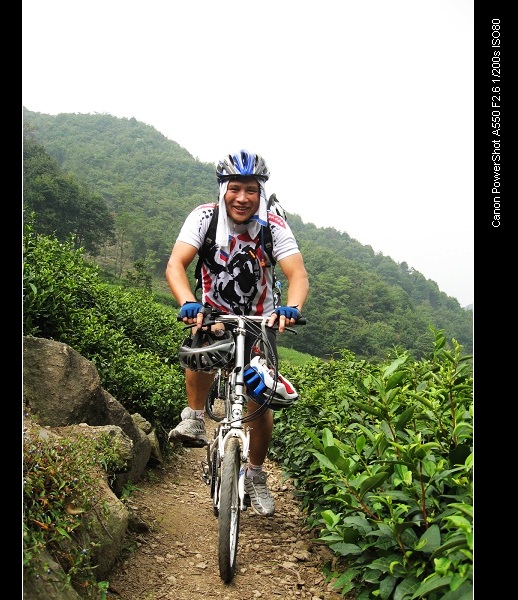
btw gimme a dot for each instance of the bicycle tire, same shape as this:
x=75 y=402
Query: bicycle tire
x=229 y=510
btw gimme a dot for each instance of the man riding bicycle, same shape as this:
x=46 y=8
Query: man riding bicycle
x=237 y=277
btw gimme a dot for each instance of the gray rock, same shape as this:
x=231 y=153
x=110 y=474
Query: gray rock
x=62 y=395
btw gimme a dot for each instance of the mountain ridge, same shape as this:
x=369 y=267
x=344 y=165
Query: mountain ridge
x=375 y=302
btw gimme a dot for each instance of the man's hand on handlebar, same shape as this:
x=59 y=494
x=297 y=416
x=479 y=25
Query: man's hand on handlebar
x=284 y=316
x=192 y=313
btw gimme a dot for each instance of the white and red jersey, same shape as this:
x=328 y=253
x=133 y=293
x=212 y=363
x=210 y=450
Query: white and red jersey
x=238 y=282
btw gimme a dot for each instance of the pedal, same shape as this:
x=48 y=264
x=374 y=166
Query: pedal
x=205 y=475
x=246 y=501
x=184 y=440
x=194 y=443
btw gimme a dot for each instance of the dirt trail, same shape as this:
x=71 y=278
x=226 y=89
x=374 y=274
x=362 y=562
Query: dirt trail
x=176 y=559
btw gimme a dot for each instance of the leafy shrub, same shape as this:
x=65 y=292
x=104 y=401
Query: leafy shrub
x=390 y=491
x=132 y=340
x=60 y=498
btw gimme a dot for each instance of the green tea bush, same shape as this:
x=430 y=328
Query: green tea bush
x=382 y=458
x=132 y=340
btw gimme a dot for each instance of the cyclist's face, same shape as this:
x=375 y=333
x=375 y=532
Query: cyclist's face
x=242 y=198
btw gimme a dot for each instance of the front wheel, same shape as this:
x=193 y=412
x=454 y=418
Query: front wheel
x=229 y=511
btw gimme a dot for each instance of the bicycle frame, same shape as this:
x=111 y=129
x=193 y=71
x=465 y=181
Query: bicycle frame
x=227 y=453
x=231 y=426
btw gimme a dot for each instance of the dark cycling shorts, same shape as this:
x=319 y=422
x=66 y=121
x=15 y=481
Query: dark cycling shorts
x=253 y=343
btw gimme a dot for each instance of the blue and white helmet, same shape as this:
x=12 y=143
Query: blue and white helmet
x=242 y=164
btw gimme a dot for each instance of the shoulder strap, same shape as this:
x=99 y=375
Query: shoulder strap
x=267 y=242
x=274 y=206
x=209 y=240
x=210 y=236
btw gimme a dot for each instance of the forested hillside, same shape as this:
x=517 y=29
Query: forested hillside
x=122 y=190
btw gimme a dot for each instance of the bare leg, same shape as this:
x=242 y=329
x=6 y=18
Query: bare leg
x=197 y=386
x=261 y=498
x=261 y=434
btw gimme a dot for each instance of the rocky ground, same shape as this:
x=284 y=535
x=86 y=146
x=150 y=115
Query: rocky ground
x=176 y=558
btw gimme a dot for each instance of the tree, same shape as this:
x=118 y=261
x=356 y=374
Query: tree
x=61 y=206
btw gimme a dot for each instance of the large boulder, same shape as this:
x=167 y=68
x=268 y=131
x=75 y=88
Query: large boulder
x=61 y=387
x=62 y=396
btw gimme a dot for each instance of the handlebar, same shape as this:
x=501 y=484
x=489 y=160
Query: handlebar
x=211 y=316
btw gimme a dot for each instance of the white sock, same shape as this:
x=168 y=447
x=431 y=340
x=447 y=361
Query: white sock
x=253 y=470
x=199 y=414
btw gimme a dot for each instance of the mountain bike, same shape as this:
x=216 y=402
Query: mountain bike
x=227 y=453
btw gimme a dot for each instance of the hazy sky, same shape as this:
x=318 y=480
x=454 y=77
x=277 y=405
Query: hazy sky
x=363 y=110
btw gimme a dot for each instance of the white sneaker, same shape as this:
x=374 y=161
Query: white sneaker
x=260 y=496
x=190 y=431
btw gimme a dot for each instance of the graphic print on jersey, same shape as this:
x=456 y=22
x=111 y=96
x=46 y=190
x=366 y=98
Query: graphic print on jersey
x=240 y=285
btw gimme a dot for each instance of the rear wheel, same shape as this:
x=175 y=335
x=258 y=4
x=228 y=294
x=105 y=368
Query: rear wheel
x=215 y=401
x=229 y=511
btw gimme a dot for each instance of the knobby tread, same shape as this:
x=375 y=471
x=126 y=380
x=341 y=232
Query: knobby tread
x=229 y=512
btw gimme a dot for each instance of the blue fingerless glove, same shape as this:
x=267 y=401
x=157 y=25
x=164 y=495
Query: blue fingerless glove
x=190 y=310
x=254 y=383
x=290 y=312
